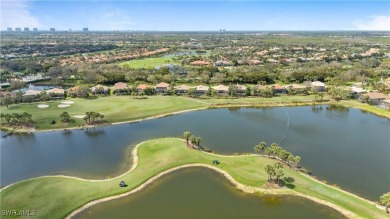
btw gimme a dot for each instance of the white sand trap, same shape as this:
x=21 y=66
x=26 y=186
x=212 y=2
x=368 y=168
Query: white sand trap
x=79 y=116
x=63 y=105
x=43 y=106
x=67 y=102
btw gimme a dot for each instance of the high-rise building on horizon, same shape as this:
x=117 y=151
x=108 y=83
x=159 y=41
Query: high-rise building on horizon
x=85 y=29
x=35 y=29
x=52 y=29
x=9 y=29
x=18 y=29
x=26 y=29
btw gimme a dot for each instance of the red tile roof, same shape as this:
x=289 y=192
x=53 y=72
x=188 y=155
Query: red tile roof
x=162 y=85
x=120 y=85
x=200 y=62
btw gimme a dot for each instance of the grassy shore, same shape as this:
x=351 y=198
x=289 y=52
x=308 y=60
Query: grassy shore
x=126 y=108
x=58 y=196
x=114 y=108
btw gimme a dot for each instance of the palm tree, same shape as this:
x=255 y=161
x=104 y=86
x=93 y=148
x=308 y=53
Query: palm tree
x=198 y=140
x=296 y=160
x=262 y=145
x=268 y=151
x=275 y=149
x=65 y=117
x=279 y=173
x=187 y=136
x=385 y=200
x=269 y=169
x=192 y=139
x=2 y=116
x=257 y=148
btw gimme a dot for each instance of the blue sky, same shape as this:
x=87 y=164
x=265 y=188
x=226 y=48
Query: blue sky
x=196 y=15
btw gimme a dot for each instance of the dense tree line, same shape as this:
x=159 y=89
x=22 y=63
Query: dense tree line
x=17 y=119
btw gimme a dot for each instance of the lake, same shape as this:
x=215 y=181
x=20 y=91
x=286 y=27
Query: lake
x=343 y=146
x=202 y=193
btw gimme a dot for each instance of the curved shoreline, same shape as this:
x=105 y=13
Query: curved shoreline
x=240 y=186
x=125 y=122
x=213 y=106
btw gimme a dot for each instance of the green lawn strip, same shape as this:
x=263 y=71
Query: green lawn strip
x=366 y=107
x=148 y=62
x=56 y=197
x=262 y=99
x=114 y=108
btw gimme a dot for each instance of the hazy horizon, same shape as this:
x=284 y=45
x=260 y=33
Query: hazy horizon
x=126 y=15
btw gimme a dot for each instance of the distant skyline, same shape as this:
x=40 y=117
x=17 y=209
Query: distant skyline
x=196 y=15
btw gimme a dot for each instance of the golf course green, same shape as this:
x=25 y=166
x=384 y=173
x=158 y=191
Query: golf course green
x=59 y=196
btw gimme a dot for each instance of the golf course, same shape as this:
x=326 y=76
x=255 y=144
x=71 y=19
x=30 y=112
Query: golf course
x=125 y=108
x=59 y=196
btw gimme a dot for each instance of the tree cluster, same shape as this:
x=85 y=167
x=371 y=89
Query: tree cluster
x=17 y=119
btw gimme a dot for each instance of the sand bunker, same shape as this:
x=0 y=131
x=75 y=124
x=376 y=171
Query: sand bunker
x=63 y=105
x=67 y=102
x=79 y=116
x=43 y=106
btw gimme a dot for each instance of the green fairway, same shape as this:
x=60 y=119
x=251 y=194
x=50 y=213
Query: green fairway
x=114 y=108
x=148 y=62
x=56 y=197
x=126 y=108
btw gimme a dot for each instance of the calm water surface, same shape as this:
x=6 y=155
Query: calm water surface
x=344 y=146
x=202 y=193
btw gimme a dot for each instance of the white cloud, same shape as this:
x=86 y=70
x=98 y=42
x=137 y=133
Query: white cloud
x=114 y=19
x=379 y=22
x=16 y=13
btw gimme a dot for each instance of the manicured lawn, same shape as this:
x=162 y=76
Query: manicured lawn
x=263 y=100
x=148 y=62
x=114 y=108
x=56 y=197
x=366 y=107
x=126 y=108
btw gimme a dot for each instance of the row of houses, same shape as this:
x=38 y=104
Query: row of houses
x=163 y=88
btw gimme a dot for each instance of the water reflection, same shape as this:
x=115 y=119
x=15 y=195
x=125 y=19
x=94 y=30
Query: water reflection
x=94 y=131
x=332 y=144
x=195 y=193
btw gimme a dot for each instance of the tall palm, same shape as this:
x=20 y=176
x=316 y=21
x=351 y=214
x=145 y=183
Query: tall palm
x=268 y=151
x=257 y=148
x=275 y=149
x=198 y=140
x=269 y=169
x=262 y=145
x=187 y=136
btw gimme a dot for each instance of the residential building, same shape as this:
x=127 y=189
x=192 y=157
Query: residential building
x=142 y=87
x=32 y=93
x=317 y=86
x=162 y=87
x=182 y=89
x=201 y=89
x=221 y=89
x=120 y=87
x=376 y=97
x=278 y=89
x=100 y=89
x=200 y=63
